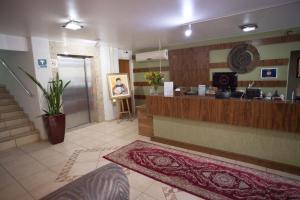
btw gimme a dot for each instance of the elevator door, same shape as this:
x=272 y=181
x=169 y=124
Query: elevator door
x=76 y=95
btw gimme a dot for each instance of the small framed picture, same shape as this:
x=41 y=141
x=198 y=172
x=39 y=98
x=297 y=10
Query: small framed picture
x=268 y=73
x=298 y=68
x=118 y=84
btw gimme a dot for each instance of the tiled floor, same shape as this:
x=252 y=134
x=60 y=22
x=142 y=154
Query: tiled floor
x=34 y=170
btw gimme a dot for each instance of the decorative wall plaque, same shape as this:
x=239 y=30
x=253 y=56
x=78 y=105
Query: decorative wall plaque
x=243 y=58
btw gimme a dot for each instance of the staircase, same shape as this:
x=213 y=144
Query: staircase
x=15 y=127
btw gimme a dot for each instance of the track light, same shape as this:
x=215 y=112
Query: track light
x=73 y=25
x=188 y=32
x=248 y=27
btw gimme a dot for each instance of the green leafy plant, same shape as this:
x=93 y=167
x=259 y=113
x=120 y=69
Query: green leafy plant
x=53 y=94
x=154 y=78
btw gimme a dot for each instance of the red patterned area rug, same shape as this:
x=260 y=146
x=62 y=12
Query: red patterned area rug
x=204 y=177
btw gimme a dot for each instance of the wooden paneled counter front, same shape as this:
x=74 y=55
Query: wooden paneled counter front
x=275 y=115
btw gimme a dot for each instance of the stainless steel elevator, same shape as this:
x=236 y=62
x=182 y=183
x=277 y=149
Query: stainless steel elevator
x=77 y=96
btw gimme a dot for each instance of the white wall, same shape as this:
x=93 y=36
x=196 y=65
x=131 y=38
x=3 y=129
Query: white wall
x=109 y=58
x=13 y=43
x=30 y=105
x=34 y=105
x=40 y=50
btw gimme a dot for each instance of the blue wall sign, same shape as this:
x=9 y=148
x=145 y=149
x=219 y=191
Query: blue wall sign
x=42 y=63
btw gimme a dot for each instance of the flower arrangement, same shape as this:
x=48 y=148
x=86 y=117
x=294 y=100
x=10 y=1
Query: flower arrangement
x=155 y=79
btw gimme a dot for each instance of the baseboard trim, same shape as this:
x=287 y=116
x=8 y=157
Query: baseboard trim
x=244 y=158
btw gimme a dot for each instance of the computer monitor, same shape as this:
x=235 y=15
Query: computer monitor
x=225 y=81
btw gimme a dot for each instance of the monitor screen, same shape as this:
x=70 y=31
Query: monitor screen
x=225 y=80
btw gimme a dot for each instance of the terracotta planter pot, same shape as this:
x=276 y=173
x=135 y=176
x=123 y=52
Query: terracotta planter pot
x=55 y=127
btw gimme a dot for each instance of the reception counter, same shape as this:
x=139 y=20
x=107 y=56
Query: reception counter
x=266 y=133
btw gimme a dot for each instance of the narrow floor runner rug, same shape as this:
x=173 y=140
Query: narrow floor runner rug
x=204 y=177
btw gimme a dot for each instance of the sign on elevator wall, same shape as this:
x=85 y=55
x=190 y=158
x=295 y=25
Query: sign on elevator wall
x=42 y=63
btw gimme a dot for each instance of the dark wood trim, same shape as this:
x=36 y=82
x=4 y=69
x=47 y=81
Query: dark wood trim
x=270 y=115
x=244 y=158
x=268 y=83
x=150 y=69
x=74 y=56
x=141 y=84
x=257 y=42
x=139 y=96
x=261 y=63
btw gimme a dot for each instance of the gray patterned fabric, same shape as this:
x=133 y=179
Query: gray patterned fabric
x=106 y=183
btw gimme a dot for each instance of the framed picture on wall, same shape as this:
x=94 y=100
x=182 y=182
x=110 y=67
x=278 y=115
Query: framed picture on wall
x=118 y=84
x=268 y=73
x=298 y=68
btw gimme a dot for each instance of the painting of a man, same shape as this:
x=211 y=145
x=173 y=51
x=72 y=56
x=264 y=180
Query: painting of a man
x=118 y=85
x=119 y=88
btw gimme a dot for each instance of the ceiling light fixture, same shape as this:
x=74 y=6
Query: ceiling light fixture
x=73 y=25
x=188 y=32
x=248 y=27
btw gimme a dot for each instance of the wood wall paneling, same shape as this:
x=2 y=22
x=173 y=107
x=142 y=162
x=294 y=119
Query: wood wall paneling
x=268 y=83
x=273 y=115
x=150 y=69
x=145 y=122
x=190 y=66
x=261 y=63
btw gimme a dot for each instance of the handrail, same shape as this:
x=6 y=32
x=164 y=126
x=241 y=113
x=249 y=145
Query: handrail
x=15 y=77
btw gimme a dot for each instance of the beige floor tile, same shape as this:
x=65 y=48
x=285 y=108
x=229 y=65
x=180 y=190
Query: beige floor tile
x=156 y=190
x=88 y=157
x=6 y=180
x=42 y=191
x=133 y=194
x=53 y=160
x=66 y=148
x=24 y=197
x=139 y=181
x=102 y=162
x=10 y=155
x=12 y=191
x=186 y=196
x=57 y=168
x=38 y=180
x=44 y=153
x=82 y=168
x=30 y=148
x=145 y=197
x=25 y=170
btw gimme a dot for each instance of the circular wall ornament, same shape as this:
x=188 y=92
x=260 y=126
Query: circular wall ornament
x=243 y=58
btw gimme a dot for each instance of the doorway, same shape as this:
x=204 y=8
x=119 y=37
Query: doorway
x=76 y=97
x=124 y=68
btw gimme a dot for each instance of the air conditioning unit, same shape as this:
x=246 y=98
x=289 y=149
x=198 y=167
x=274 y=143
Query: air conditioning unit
x=153 y=55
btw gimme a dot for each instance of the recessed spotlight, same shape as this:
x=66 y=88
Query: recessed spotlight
x=188 y=31
x=248 y=27
x=73 y=25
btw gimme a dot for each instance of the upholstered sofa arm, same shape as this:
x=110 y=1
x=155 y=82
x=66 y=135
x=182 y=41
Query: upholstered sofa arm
x=106 y=183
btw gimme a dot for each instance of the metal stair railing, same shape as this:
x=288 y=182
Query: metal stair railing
x=4 y=64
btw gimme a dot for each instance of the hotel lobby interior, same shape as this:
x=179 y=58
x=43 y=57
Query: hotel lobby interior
x=150 y=100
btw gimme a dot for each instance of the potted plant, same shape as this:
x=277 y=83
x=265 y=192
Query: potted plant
x=54 y=120
x=154 y=79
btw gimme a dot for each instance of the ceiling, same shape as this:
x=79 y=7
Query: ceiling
x=140 y=24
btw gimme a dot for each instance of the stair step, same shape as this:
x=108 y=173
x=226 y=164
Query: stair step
x=3 y=90
x=14 y=118
x=13 y=122
x=19 y=140
x=8 y=107
x=16 y=129
x=5 y=95
x=4 y=116
x=7 y=101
